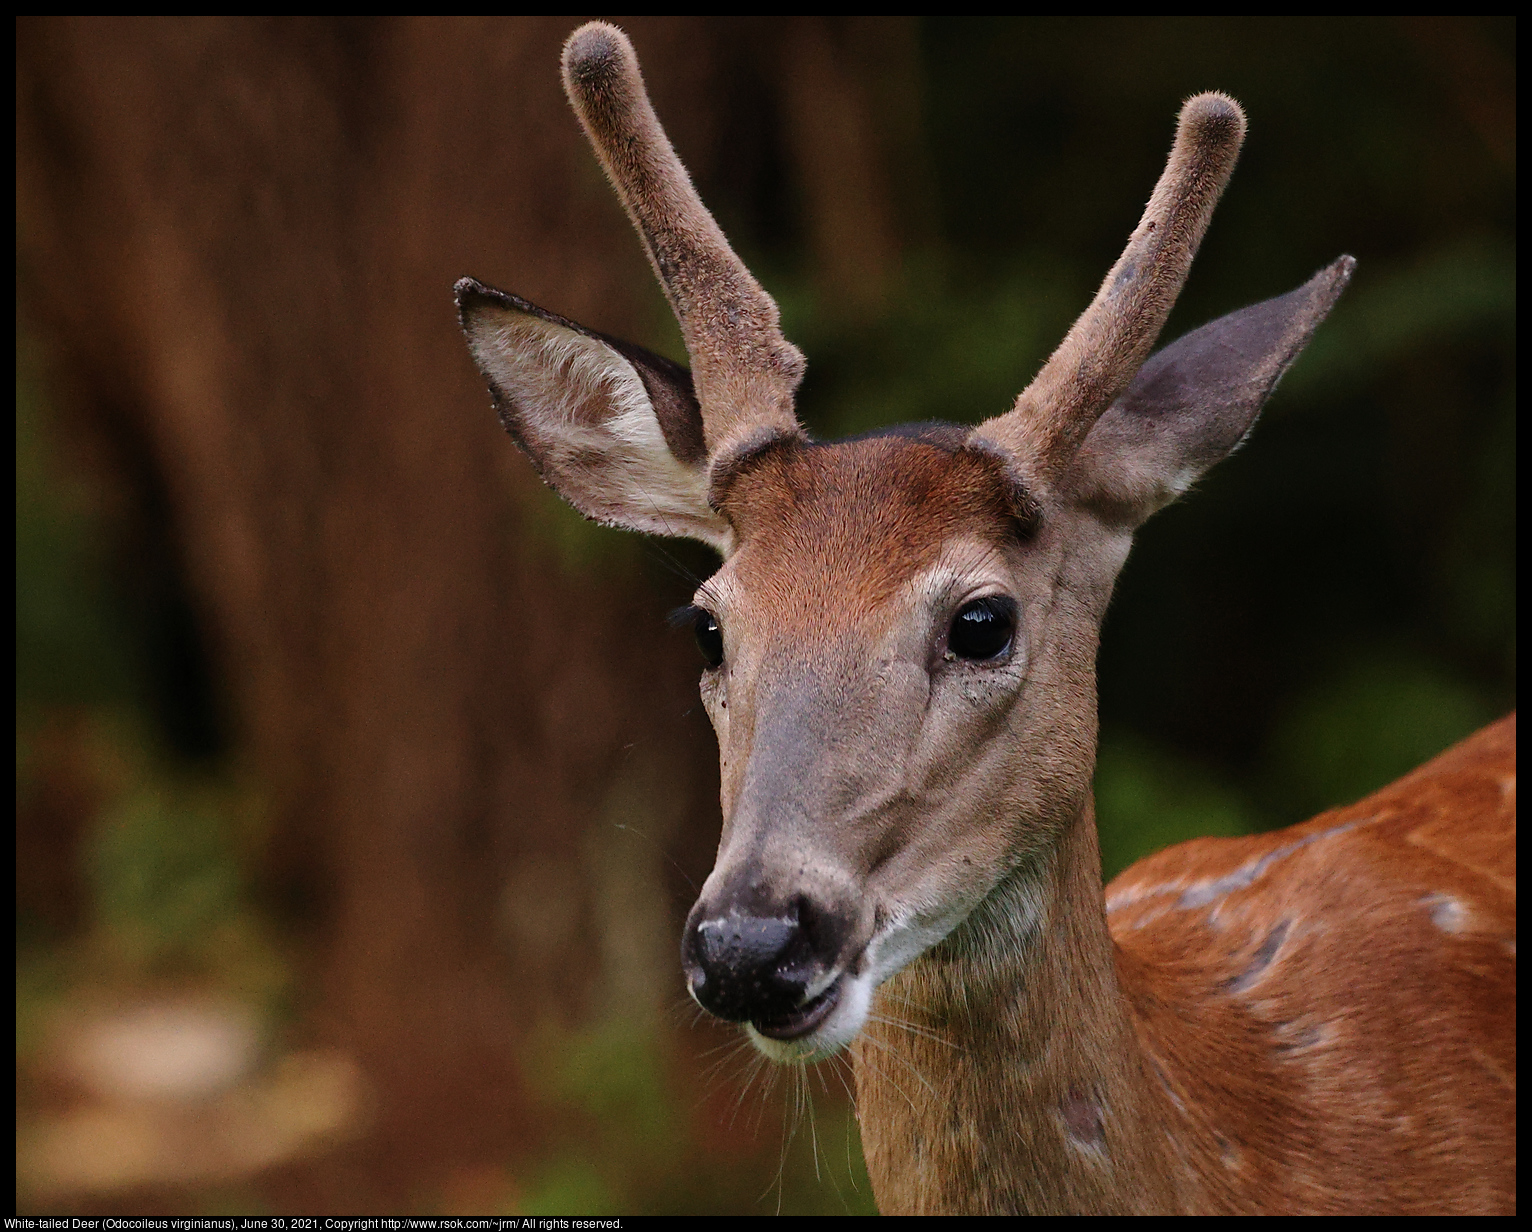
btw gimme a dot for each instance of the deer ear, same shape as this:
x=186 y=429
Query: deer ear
x=612 y=428
x=1193 y=403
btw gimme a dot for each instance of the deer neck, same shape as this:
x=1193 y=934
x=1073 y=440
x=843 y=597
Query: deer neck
x=1001 y=1071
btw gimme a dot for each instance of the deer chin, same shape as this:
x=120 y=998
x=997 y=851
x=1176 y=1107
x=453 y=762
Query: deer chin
x=821 y=1027
x=833 y=1017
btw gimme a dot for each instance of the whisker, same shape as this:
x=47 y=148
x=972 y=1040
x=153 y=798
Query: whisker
x=715 y=1069
x=714 y=1072
x=617 y=825
x=808 y=1094
x=893 y=1055
x=781 y=1157
x=671 y=564
x=773 y=1075
x=856 y=1117
x=683 y=1007
x=914 y=1030
x=730 y=1046
x=840 y=1064
x=884 y=1076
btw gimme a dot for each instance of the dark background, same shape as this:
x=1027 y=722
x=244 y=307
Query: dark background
x=327 y=707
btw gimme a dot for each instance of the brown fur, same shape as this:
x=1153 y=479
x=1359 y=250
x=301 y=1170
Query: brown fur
x=844 y=526
x=1364 y=1064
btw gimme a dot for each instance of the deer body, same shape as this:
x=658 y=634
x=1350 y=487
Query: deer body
x=1316 y=1020
x=901 y=644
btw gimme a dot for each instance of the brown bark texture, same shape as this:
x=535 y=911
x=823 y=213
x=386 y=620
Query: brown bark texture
x=237 y=240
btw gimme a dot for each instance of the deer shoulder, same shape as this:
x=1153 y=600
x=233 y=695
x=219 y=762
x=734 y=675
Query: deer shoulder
x=1321 y=1002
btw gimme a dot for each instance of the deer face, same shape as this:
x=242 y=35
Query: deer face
x=901 y=639
x=873 y=641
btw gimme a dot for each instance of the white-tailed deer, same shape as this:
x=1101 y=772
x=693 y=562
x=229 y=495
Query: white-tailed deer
x=901 y=643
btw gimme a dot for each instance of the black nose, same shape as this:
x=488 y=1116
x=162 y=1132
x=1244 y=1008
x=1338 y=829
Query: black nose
x=750 y=968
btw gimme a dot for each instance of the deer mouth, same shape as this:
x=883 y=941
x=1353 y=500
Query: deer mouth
x=803 y=1020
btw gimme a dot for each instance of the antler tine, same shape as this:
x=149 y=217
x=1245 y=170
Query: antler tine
x=744 y=370
x=1113 y=337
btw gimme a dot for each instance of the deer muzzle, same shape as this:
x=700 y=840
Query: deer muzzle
x=776 y=967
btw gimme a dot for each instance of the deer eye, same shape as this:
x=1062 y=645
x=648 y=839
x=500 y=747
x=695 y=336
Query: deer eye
x=709 y=637
x=983 y=629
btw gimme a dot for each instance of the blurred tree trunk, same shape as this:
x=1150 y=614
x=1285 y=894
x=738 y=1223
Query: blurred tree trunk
x=238 y=238
x=851 y=101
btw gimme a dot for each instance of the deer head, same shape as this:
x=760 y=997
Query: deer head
x=902 y=636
